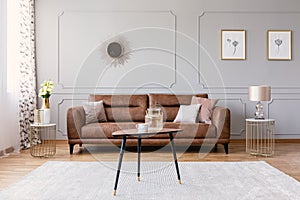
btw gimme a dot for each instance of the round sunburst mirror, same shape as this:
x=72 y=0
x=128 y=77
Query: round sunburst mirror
x=114 y=50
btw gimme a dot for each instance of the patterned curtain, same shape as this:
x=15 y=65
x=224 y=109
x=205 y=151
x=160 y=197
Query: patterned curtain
x=28 y=97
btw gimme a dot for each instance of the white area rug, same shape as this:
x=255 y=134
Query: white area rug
x=200 y=180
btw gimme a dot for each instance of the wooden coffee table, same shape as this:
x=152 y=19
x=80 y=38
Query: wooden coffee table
x=133 y=132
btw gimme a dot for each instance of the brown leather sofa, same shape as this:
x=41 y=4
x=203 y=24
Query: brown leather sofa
x=125 y=111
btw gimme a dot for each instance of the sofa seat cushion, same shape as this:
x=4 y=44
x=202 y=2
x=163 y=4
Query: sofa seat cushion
x=193 y=130
x=190 y=130
x=104 y=130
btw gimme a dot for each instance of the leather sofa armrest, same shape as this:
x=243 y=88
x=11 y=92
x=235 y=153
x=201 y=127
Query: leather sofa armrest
x=221 y=119
x=75 y=120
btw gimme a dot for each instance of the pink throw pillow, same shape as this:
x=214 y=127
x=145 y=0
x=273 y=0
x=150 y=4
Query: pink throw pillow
x=207 y=106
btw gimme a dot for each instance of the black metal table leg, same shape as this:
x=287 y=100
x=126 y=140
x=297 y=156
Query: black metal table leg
x=120 y=163
x=175 y=157
x=139 y=156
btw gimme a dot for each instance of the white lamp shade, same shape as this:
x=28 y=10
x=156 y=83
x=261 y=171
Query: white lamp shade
x=260 y=93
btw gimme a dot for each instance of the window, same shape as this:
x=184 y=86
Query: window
x=2 y=46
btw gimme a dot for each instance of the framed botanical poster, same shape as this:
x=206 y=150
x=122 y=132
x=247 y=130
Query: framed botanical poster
x=279 y=45
x=233 y=44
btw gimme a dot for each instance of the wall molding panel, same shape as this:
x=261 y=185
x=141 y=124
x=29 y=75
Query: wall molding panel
x=286 y=117
x=256 y=34
x=78 y=60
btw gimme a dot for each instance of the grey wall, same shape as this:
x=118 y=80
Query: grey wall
x=175 y=48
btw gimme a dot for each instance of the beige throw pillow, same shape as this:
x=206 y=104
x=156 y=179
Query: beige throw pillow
x=94 y=112
x=207 y=106
x=187 y=113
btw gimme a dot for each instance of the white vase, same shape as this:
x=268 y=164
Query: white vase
x=47 y=116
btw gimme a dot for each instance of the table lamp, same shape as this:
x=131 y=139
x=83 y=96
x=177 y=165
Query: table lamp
x=259 y=93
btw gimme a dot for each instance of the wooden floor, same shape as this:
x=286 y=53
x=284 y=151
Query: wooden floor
x=15 y=166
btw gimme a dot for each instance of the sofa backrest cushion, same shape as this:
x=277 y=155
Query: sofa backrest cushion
x=170 y=103
x=123 y=108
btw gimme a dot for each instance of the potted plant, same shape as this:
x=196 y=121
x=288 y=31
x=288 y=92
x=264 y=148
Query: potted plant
x=45 y=93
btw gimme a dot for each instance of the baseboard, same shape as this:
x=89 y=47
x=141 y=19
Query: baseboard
x=276 y=141
x=287 y=140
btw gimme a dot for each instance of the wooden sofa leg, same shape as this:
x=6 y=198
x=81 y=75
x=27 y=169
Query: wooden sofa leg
x=71 y=148
x=226 y=148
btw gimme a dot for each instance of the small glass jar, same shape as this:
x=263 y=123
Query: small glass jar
x=154 y=119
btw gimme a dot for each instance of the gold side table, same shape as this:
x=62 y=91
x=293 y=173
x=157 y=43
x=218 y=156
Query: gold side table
x=260 y=137
x=42 y=140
